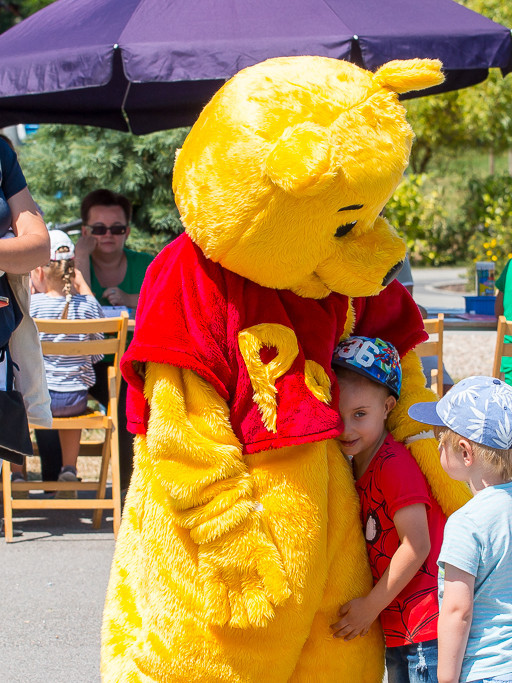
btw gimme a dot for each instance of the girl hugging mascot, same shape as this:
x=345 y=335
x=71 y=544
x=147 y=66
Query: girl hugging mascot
x=241 y=534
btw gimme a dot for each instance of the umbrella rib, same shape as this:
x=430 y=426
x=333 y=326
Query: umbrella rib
x=123 y=110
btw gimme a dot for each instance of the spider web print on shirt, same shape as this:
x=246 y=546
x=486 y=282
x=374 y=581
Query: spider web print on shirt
x=393 y=480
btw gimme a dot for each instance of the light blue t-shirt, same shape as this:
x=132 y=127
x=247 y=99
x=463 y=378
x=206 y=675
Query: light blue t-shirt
x=478 y=540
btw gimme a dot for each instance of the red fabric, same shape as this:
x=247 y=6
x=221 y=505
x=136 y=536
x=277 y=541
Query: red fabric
x=190 y=313
x=394 y=313
x=392 y=481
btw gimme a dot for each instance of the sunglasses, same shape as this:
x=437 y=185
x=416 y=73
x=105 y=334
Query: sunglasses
x=101 y=229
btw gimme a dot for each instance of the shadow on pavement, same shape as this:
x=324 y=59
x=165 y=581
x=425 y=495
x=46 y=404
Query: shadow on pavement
x=32 y=525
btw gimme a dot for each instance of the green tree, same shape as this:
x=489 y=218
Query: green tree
x=13 y=11
x=478 y=117
x=438 y=123
x=63 y=163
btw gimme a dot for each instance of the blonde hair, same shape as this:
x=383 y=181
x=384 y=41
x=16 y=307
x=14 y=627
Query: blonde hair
x=497 y=459
x=61 y=273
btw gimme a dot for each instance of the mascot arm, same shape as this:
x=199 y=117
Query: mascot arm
x=198 y=459
x=450 y=494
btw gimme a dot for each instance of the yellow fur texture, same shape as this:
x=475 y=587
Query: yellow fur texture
x=181 y=609
x=265 y=177
x=450 y=494
x=230 y=567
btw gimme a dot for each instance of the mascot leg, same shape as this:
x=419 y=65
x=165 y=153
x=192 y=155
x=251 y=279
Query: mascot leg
x=323 y=657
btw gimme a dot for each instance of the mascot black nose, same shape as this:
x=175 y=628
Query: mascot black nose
x=392 y=273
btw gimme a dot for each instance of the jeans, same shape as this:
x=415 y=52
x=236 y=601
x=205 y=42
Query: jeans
x=416 y=663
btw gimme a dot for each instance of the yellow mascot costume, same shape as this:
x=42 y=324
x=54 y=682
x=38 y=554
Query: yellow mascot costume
x=241 y=534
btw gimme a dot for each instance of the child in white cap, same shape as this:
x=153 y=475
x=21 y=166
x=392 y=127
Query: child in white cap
x=68 y=377
x=473 y=422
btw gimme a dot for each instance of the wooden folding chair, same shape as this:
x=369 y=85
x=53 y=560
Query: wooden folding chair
x=114 y=342
x=434 y=347
x=502 y=348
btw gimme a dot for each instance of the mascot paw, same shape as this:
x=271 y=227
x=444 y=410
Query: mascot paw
x=243 y=577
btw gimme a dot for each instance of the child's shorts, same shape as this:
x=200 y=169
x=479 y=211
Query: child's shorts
x=68 y=403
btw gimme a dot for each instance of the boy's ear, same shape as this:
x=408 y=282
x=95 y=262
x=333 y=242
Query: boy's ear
x=390 y=404
x=466 y=449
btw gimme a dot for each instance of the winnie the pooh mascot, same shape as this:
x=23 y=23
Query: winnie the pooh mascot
x=241 y=534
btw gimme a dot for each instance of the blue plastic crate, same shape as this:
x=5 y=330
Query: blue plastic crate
x=480 y=305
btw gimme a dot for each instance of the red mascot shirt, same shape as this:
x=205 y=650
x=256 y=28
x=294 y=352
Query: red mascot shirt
x=392 y=481
x=191 y=314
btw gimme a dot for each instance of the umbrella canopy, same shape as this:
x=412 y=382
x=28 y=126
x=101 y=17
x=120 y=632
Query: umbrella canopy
x=146 y=65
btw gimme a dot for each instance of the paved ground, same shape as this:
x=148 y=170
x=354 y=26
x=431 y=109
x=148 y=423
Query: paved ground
x=53 y=578
x=427 y=291
x=465 y=353
x=53 y=581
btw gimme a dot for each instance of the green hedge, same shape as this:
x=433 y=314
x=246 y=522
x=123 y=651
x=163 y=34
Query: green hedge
x=429 y=223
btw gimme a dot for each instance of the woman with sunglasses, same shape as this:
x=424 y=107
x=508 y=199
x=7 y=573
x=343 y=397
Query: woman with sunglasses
x=113 y=272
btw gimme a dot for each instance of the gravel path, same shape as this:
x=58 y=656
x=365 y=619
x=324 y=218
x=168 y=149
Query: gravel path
x=468 y=353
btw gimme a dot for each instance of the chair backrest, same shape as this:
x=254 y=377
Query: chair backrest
x=434 y=347
x=114 y=341
x=502 y=348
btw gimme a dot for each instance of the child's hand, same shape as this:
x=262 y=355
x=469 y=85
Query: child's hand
x=356 y=618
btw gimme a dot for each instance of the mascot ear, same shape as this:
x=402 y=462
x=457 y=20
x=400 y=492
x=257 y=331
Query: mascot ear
x=409 y=74
x=300 y=161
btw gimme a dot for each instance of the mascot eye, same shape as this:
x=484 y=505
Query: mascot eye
x=345 y=229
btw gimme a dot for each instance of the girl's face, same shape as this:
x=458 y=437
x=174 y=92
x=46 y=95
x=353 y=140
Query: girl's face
x=364 y=407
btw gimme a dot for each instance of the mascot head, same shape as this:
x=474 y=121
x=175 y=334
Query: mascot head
x=284 y=174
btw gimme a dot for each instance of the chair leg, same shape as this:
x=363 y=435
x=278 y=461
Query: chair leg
x=7 y=492
x=102 y=481
x=116 y=480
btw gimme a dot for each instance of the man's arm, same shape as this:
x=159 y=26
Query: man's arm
x=358 y=615
x=31 y=248
x=454 y=622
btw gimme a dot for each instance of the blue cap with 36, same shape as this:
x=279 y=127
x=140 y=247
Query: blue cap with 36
x=478 y=408
x=372 y=357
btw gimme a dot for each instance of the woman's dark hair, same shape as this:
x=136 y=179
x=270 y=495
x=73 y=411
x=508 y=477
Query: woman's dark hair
x=105 y=198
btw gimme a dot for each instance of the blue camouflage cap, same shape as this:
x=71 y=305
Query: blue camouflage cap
x=477 y=408
x=373 y=358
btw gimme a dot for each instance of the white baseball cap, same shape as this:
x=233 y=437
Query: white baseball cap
x=61 y=246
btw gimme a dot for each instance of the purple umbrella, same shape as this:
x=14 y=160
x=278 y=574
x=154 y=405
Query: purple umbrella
x=146 y=65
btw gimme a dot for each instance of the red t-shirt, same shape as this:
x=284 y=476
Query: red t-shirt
x=392 y=481
x=193 y=313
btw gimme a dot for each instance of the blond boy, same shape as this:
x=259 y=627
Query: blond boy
x=474 y=425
